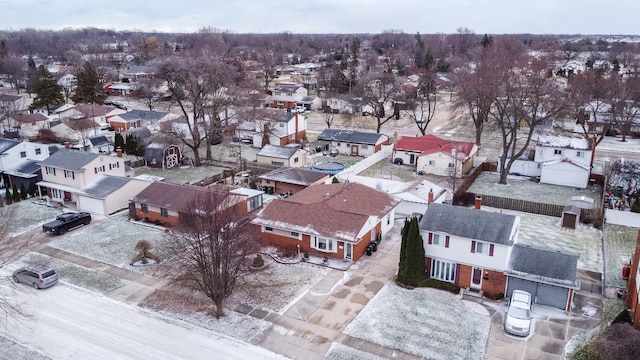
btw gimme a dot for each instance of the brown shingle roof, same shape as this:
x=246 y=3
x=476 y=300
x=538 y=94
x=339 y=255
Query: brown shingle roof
x=294 y=176
x=338 y=211
x=175 y=197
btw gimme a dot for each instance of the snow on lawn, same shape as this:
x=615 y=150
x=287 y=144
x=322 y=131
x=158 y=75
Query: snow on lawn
x=426 y=322
x=112 y=241
x=274 y=287
x=202 y=313
x=14 y=351
x=545 y=231
x=524 y=189
x=620 y=242
x=338 y=351
x=30 y=213
x=182 y=174
x=89 y=279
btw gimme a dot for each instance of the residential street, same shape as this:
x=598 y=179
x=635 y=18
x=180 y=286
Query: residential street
x=70 y=323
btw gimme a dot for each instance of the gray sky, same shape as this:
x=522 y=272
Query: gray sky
x=329 y=16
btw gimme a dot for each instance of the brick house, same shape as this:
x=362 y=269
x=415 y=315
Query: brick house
x=333 y=220
x=291 y=180
x=288 y=96
x=163 y=202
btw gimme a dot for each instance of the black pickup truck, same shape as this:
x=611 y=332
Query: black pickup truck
x=65 y=222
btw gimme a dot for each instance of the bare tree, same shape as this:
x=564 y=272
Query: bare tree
x=149 y=92
x=626 y=103
x=212 y=245
x=376 y=92
x=14 y=68
x=422 y=105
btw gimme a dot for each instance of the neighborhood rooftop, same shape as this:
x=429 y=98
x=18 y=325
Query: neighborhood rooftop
x=69 y=159
x=350 y=136
x=547 y=265
x=294 y=175
x=429 y=144
x=281 y=152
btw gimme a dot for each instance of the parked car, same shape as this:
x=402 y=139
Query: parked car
x=38 y=276
x=518 y=318
x=65 y=222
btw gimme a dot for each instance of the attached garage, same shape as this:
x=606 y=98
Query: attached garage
x=544 y=294
x=550 y=276
x=94 y=206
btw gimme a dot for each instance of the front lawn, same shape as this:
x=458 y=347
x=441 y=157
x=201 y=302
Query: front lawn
x=425 y=322
x=620 y=242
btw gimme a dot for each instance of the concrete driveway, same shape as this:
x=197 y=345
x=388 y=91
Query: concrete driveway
x=552 y=328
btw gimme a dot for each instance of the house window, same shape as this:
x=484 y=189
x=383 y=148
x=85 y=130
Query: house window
x=268 y=228
x=255 y=202
x=280 y=102
x=323 y=244
x=432 y=163
x=164 y=212
x=23 y=154
x=451 y=165
x=388 y=219
x=579 y=154
x=98 y=169
x=49 y=170
x=114 y=165
x=295 y=234
x=539 y=166
x=277 y=162
x=443 y=270
x=295 y=161
x=482 y=248
x=69 y=174
x=38 y=151
x=364 y=147
x=557 y=152
x=437 y=239
x=144 y=208
x=338 y=144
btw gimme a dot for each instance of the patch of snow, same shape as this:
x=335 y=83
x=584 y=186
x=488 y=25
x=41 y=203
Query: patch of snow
x=338 y=351
x=475 y=307
x=589 y=310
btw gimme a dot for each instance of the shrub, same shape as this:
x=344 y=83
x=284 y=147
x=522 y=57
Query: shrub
x=23 y=192
x=433 y=283
x=623 y=317
x=32 y=189
x=15 y=195
x=258 y=261
x=306 y=255
x=492 y=296
x=7 y=196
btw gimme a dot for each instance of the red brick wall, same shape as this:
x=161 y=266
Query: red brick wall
x=632 y=293
x=493 y=282
x=463 y=278
x=152 y=216
x=284 y=187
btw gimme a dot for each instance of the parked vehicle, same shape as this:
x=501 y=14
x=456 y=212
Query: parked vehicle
x=518 y=318
x=65 y=222
x=38 y=276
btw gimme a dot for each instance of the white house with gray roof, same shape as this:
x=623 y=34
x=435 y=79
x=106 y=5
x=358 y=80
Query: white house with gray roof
x=109 y=194
x=354 y=143
x=476 y=250
x=291 y=156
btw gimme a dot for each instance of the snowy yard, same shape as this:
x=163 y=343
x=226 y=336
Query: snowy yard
x=426 y=322
x=338 y=351
x=29 y=214
x=111 y=241
x=545 y=231
x=183 y=174
x=524 y=189
x=619 y=246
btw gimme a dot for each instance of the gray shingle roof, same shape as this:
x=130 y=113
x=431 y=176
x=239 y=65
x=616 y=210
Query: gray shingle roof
x=543 y=264
x=98 y=140
x=155 y=152
x=105 y=186
x=26 y=167
x=468 y=223
x=140 y=133
x=6 y=144
x=294 y=176
x=69 y=159
x=350 y=136
x=280 y=152
x=143 y=115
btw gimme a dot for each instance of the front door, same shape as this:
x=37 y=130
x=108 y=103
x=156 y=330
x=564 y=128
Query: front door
x=354 y=150
x=348 y=251
x=476 y=279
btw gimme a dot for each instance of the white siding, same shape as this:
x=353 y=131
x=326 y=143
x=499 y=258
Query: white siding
x=459 y=251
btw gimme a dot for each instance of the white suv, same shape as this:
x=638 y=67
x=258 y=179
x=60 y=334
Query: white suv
x=518 y=318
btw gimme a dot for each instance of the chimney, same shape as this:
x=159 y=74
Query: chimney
x=119 y=152
x=67 y=145
x=478 y=202
x=430 y=197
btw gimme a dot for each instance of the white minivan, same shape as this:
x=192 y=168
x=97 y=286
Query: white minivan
x=518 y=319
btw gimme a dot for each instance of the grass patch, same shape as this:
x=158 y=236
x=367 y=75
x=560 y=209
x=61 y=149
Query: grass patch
x=432 y=283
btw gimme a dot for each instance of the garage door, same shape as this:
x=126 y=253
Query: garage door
x=91 y=205
x=552 y=295
x=543 y=294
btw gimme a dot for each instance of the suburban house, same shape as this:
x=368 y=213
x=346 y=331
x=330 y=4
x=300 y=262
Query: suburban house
x=633 y=286
x=433 y=155
x=98 y=113
x=19 y=161
x=139 y=118
x=333 y=220
x=282 y=128
x=160 y=155
x=31 y=124
x=121 y=89
x=97 y=144
x=164 y=202
x=13 y=103
x=288 y=96
x=291 y=156
x=290 y=180
x=354 y=143
x=557 y=160
x=67 y=173
x=477 y=250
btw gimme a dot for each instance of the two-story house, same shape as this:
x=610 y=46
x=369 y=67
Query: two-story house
x=287 y=96
x=71 y=177
x=164 y=203
x=279 y=127
x=477 y=250
x=557 y=160
x=18 y=161
x=334 y=220
x=433 y=155
x=353 y=143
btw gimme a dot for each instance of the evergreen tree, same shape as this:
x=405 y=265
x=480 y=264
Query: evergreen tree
x=89 y=89
x=402 y=267
x=15 y=194
x=413 y=271
x=32 y=189
x=118 y=141
x=7 y=196
x=335 y=180
x=48 y=91
x=23 y=192
x=32 y=75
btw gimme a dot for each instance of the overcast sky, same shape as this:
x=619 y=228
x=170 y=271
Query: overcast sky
x=329 y=16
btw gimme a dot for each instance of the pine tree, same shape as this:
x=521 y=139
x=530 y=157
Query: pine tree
x=23 y=192
x=118 y=141
x=15 y=194
x=89 y=89
x=402 y=267
x=413 y=272
x=48 y=91
x=7 y=196
x=32 y=75
x=335 y=180
x=32 y=189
